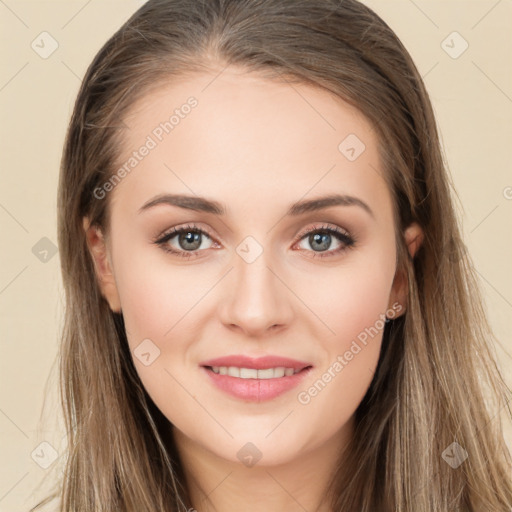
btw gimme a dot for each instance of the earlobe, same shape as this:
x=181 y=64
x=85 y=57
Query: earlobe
x=413 y=237
x=102 y=264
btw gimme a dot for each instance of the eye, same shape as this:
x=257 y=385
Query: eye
x=321 y=238
x=189 y=240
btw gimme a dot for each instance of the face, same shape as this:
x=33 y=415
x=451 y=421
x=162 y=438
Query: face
x=250 y=270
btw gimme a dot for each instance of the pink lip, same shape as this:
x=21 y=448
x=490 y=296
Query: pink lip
x=256 y=390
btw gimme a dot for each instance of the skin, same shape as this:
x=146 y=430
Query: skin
x=256 y=146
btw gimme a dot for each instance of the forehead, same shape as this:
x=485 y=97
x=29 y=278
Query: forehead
x=247 y=135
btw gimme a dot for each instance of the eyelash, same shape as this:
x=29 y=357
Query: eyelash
x=347 y=240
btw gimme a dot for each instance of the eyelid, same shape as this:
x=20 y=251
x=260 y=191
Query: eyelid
x=192 y=226
x=323 y=226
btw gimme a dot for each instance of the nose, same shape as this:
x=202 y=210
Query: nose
x=256 y=299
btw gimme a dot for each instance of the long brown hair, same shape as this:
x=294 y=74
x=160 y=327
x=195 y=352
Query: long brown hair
x=436 y=382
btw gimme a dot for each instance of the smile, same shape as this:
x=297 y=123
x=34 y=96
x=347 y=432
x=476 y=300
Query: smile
x=252 y=373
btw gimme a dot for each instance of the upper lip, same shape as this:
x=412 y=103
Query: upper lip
x=259 y=363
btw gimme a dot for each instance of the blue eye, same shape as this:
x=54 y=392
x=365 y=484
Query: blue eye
x=190 y=238
x=321 y=238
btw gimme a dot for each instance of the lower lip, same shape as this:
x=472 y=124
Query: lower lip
x=255 y=390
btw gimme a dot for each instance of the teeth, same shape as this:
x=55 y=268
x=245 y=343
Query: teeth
x=252 y=373
x=233 y=371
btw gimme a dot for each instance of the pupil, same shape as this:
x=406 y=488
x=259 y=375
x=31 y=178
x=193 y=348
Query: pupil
x=317 y=238
x=190 y=238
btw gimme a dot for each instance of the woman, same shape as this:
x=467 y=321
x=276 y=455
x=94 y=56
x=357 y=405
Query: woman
x=321 y=344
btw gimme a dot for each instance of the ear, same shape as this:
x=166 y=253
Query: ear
x=413 y=236
x=103 y=265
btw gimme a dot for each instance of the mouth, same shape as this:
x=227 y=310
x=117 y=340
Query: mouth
x=243 y=362
x=255 y=380
x=253 y=373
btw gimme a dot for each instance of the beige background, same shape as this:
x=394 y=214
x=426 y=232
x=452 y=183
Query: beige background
x=472 y=97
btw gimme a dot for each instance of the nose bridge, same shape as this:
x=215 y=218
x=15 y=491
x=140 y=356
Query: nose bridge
x=256 y=299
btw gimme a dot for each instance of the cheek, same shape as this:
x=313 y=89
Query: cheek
x=157 y=299
x=164 y=307
x=159 y=316
x=362 y=302
x=349 y=300
x=355 y=313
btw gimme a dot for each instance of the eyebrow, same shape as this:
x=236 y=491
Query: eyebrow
x=202 y=204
